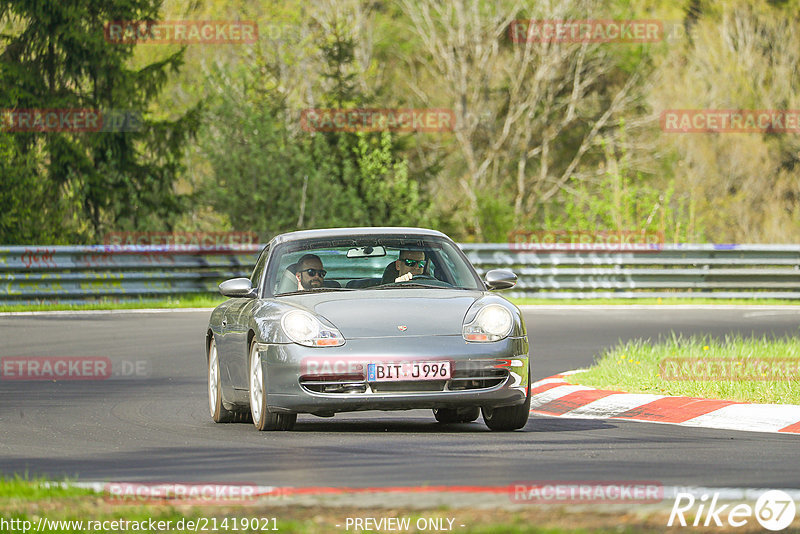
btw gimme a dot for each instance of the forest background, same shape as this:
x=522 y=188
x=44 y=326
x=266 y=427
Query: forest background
x=547 y=136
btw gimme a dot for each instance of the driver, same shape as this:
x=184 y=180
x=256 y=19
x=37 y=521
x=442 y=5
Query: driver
x=411 y=262
x=310 y=273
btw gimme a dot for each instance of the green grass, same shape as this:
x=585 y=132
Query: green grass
x=658 y=301
x=21 y=488
x=682 y=367
x=211 y=300
x=34 y=500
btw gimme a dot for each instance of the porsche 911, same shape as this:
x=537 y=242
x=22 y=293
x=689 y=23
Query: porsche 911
x=350 y=319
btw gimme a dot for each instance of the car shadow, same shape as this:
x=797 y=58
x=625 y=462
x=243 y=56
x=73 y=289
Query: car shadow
x=394 y=425
x=559 y=424
x=388 y=424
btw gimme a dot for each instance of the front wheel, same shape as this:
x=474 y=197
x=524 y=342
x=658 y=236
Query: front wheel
x=509 y=418
x=263 y=418
x=219 y=413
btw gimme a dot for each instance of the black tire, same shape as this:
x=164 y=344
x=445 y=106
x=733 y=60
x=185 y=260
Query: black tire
x=219 y=413
x=456 y=415
x=509 y=418
x=262 y=417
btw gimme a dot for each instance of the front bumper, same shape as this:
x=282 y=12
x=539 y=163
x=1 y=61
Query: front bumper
x=484 y=374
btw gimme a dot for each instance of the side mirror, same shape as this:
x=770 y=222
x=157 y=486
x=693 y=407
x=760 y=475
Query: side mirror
x=237 y=288
x=500 y=279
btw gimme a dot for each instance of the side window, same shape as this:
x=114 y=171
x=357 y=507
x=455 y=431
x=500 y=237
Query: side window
x=258 y=271
x=444 y=272
x=431 y=268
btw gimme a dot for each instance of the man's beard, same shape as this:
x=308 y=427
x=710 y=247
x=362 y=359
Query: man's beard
x=307 y=283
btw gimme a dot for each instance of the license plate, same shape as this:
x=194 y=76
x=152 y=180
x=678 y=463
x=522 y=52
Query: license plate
x=383 y=372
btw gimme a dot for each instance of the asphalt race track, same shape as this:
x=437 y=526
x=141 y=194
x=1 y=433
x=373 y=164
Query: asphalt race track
x=150 y=422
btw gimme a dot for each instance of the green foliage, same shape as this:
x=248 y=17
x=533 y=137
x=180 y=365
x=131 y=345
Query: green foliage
x=21 y=487
x=90 y=182
x=29 y=211
x=741 y=187
x=639 y=367
x=269 y=176
x=496 y=215
x=620 y=202
x=338 y=50
x=253 y=168
x=390 y=197
x=269 y=179
x=187 y=300
x=257 y=170
x=622 y=199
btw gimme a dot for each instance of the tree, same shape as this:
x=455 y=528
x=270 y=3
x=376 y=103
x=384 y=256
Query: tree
x=528 y=114
x=29 y=211
x=268 y=178
x=271 y=176
x=57 y=57
x=366 y=165
x=742 y=187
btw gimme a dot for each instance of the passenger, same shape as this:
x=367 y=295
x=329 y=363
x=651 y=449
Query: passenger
x=411 y=262
x=310 y=273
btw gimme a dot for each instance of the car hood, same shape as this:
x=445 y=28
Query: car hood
x=393 y=312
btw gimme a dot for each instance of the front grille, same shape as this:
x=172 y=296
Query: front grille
x=334 y=386
x=477 y=378
x=407 y=386
x=464 y=379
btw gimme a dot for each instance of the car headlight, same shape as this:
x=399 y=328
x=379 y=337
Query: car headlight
x=492 y=323
x=305 y=329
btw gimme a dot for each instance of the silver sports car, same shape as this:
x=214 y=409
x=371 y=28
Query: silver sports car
x=351 y=319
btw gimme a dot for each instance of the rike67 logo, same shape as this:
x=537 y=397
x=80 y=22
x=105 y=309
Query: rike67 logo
x=774 y=510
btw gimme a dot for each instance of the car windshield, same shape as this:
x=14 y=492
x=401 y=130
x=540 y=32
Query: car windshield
x=372 y=262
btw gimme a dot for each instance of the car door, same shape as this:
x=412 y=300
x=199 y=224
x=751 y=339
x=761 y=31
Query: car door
x=238 y=317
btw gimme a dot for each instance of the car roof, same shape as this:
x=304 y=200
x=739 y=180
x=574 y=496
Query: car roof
x=400 y=231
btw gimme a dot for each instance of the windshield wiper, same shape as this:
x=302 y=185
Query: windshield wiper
x=326 y=288
x=400 y=285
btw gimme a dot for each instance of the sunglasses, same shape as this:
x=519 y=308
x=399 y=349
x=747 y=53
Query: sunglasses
x=315 y=272
x=414 y=263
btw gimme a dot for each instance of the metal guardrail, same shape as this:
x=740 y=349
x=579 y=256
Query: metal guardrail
x=81 y=273
x=688 y=271
x=130 y=272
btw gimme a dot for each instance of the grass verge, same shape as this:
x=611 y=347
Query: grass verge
x=658 y=302
x=211 y=300
x=760 y=370
x=27 y=506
